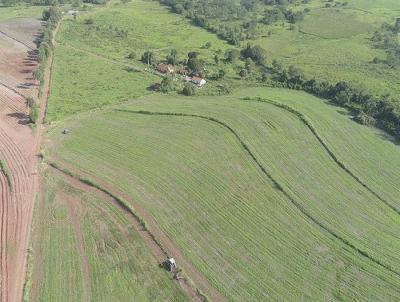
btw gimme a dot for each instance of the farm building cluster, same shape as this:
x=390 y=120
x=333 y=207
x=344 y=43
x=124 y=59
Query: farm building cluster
x=169 y=69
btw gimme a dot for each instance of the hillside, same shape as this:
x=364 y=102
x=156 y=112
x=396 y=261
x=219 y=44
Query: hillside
x=225 y=206
x=255 y=142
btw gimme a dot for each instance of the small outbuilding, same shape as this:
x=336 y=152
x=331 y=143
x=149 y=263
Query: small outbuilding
x=199 y=82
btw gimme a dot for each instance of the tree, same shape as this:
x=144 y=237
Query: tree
x=231 y=55
x=38 y=74
x=189 y=89
x=172 y=58
x=256 y=53
x=148 y=57
x=29 y=102
x=167 y=84
x=243 y=73
x=195 y=64
x=34 y=114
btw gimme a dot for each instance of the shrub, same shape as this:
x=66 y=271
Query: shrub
x=189 y=89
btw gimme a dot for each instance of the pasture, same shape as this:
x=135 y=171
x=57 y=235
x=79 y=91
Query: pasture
x=149 y=26
x=20 y=12
x=82 y=81
x=266 y=202
x=88 y=250
x=91 y=69
x=334 y=44
x=247 y=192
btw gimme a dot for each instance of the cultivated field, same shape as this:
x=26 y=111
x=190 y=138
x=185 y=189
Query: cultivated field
x=89 y=249
x=248 y=193
x=17 y=148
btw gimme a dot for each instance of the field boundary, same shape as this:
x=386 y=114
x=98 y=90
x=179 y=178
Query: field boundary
x=331 y=154
x=16 y=40
x=277 y=185
x=187 y=285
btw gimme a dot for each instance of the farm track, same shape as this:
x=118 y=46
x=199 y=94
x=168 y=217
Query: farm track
x=154 y=240
x=278 y=186
x=331 y=154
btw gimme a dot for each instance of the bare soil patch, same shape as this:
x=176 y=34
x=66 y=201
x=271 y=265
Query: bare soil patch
x=17 y=150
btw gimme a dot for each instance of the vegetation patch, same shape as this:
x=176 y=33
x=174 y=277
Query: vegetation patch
x=4 y=170
x=333 y=24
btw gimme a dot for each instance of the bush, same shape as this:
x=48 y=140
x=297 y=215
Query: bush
x=189 y=89
x=34 y=114
x=167 y=84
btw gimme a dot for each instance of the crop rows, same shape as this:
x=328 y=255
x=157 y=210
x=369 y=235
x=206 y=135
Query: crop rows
x=240 y=231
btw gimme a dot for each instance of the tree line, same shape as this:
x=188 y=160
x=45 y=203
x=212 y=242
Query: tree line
x=381 y=111
x=44 y=49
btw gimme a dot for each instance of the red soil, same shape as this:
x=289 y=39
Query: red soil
x=18 y=150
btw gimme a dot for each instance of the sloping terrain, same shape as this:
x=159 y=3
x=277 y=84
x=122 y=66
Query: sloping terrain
x=17 y=145
x=263 y=194
x=91 y=249
x=248 y=193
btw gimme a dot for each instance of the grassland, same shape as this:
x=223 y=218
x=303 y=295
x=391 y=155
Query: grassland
x=334 y=44
x=243 y=234
x=91 y=69
x=20 y=11
x=264 y=204
x=368 y=152
x=89 y=251
x=150 y=26
x=81 y=81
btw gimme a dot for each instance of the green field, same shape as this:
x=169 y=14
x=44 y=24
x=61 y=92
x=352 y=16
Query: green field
x=197 y=171
x=81 y=81
x=89 y=251
x=334 y=44
x=271 y=194
x=20 y=11
x=150 y=26
x=91 y=69
x=338 y=24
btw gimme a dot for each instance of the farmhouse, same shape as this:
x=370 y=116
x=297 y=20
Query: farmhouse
x=165 y=68
x=199 y=82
